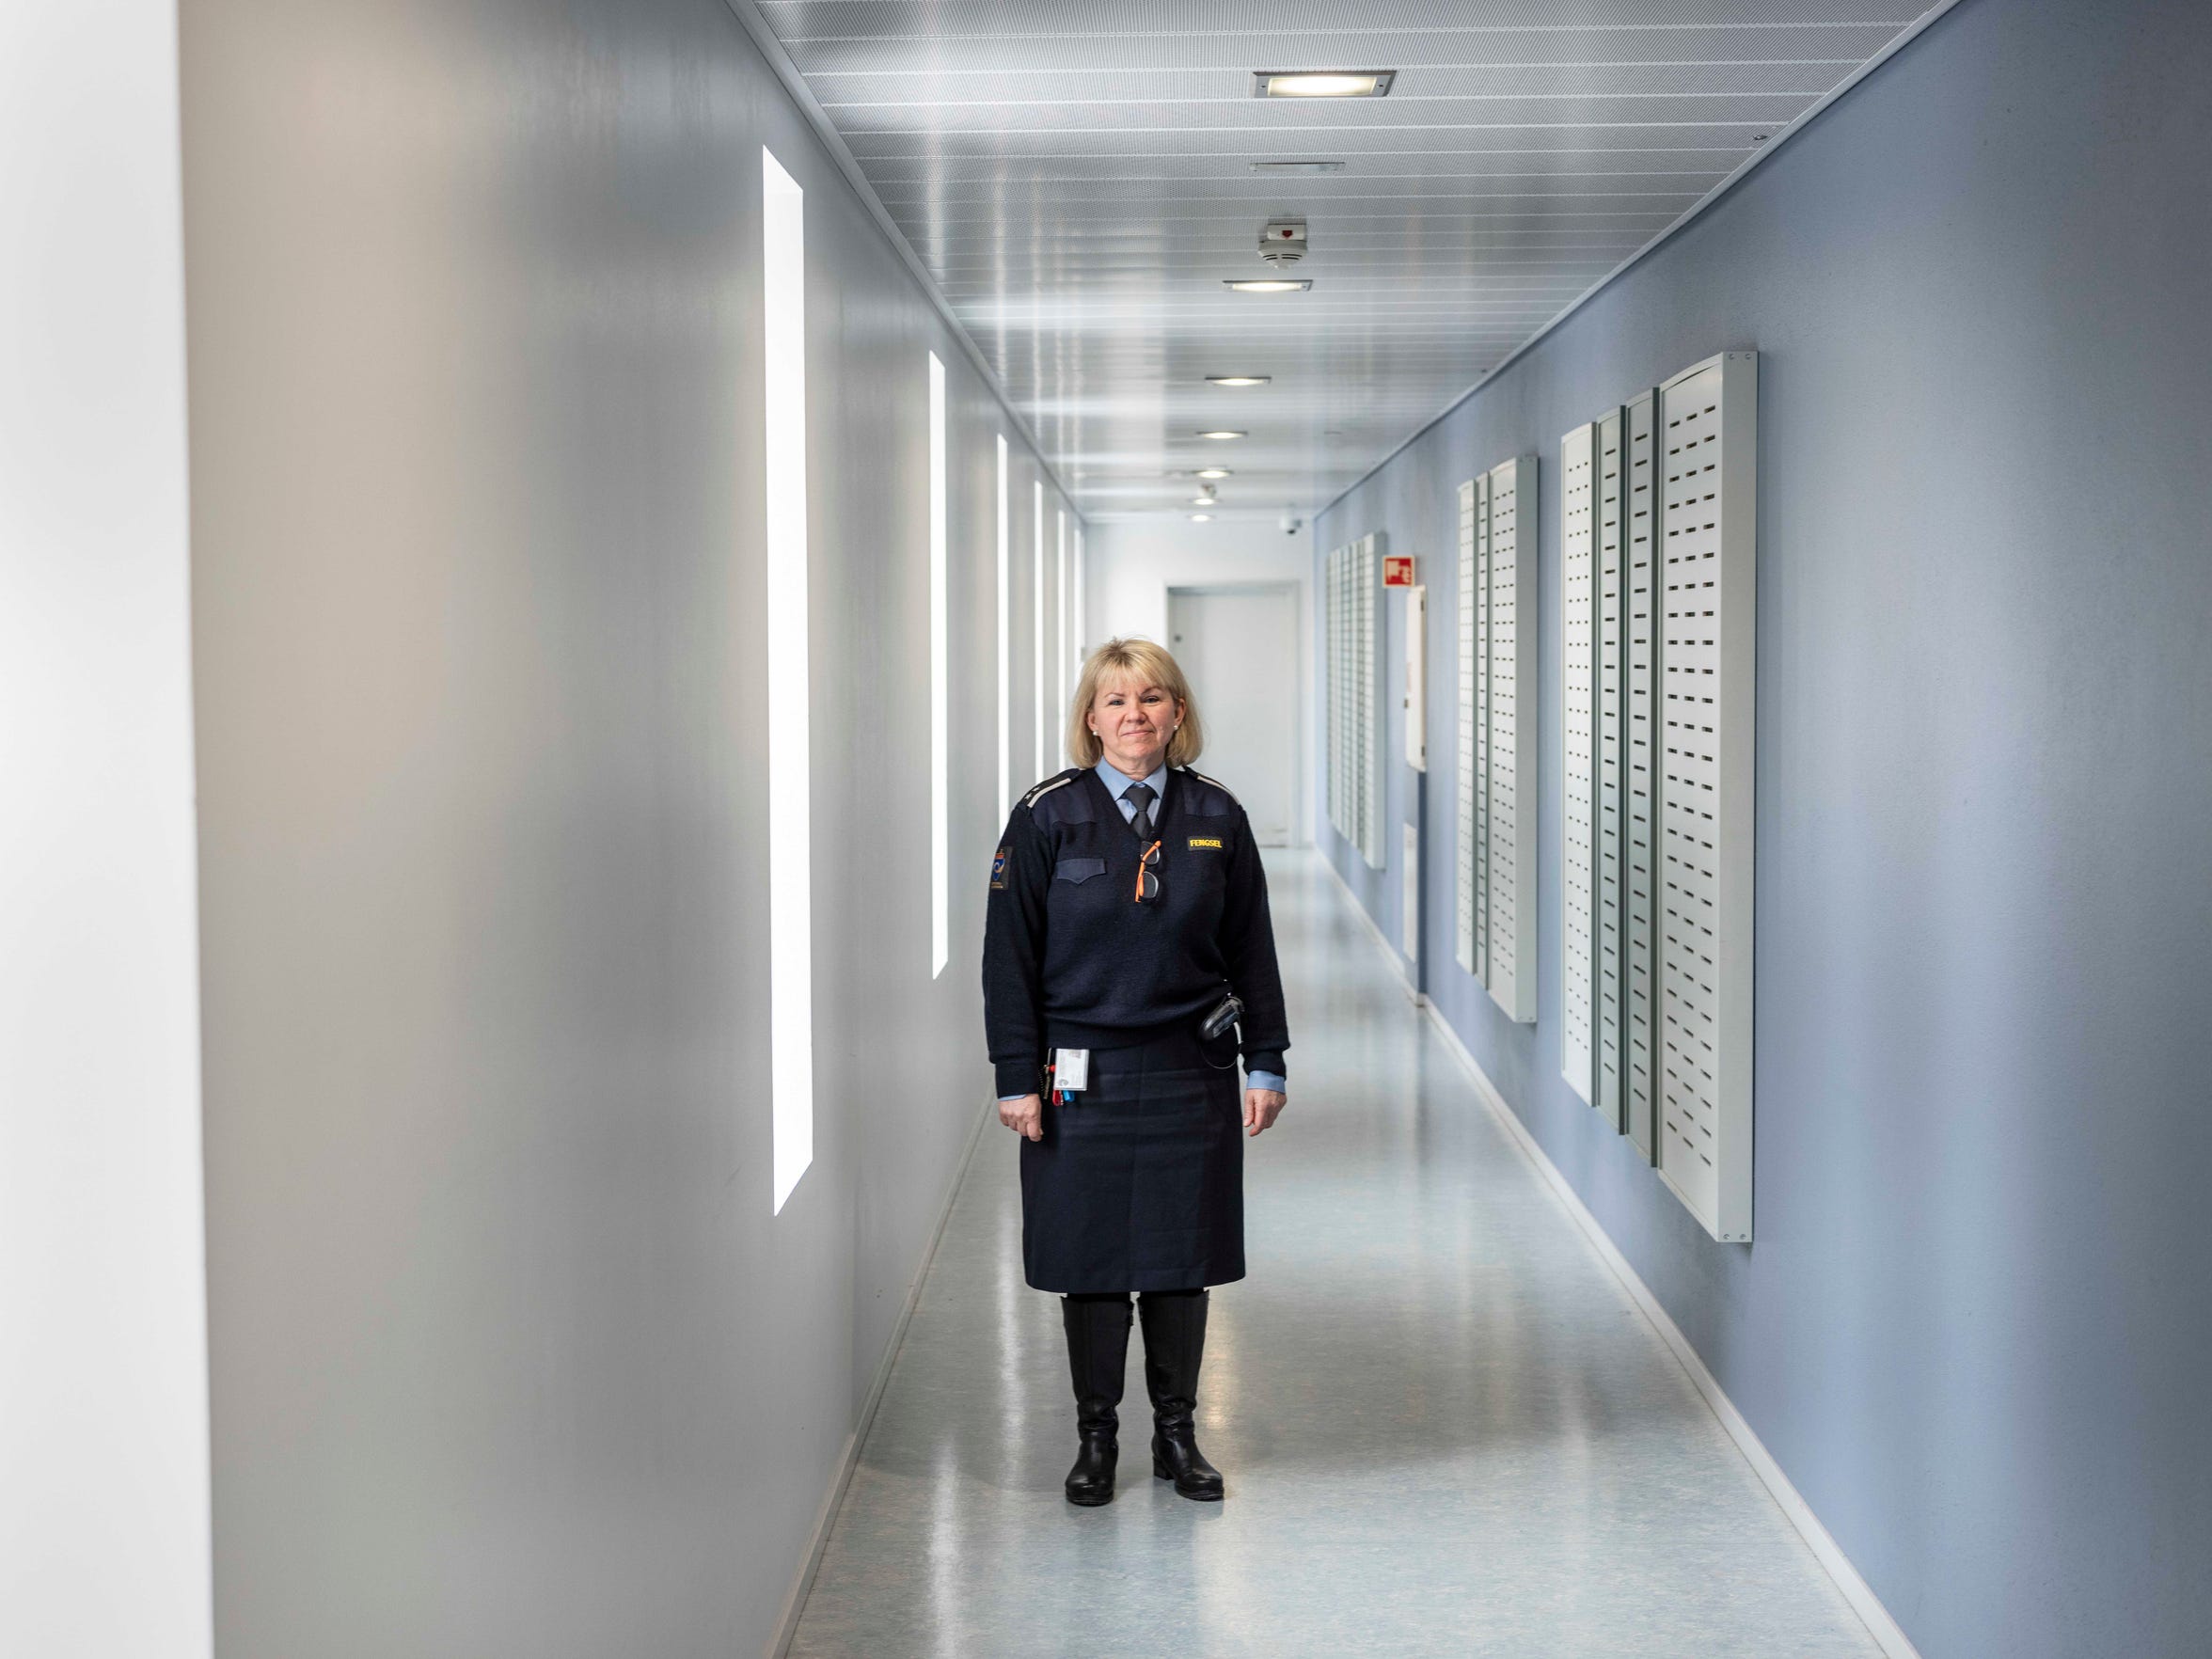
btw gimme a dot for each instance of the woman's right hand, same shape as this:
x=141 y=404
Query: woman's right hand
x=1025 y=1116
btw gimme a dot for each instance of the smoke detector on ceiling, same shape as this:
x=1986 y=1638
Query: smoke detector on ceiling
x=1282 y=242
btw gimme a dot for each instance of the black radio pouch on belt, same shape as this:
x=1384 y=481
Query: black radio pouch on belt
x=1223 y=1015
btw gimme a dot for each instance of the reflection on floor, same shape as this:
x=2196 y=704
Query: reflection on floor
x=1446 y=1429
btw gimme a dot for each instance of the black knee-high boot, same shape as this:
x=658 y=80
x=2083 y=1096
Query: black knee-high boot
x=1097 y=1354
x=1175 y=1347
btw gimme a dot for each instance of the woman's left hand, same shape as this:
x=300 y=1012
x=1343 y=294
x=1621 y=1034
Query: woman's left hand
x=1261 y=1108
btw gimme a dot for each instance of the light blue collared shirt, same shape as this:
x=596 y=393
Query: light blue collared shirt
x=1116 y=781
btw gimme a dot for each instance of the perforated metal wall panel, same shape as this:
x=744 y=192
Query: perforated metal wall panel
x=1416 y=701
x=1513 y=731
x=1348 y=682
x=1334 y=633
x=1356 y=734
x=1329 y=721
x=1642 y=979
x=1707 y=605
x=1466 y=868
x=1578 y=703
x=1658 y=650
x=1340 y=692
x=1348 y=679
x=1482 y=726
x=1498 y=732
x=1610 y=999
x=1369 y=721
x=1410 y=893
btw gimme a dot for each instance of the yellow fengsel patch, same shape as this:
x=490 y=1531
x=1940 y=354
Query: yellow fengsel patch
x=1199 y=841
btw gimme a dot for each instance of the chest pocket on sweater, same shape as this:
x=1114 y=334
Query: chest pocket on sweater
x=1078 y=869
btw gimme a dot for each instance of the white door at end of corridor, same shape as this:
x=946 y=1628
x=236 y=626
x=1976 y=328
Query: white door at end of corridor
x=1239 y=648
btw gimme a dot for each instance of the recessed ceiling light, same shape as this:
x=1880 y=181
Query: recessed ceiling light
x=1225 y=434
x=1204 y=501
x=1214 y=472
x=1201 y=518
x=1322 y=83
x=1298 y=167
x=1267 y=284
x=1238 y=379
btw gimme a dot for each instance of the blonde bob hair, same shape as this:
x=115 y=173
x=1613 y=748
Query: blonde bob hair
x=1140 y=663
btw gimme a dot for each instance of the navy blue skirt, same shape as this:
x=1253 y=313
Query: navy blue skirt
x=1139 y=1181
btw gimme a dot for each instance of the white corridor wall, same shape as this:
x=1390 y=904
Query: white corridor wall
x=1129 y=565
x=103 y=1441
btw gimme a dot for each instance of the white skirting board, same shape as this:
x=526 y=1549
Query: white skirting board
x=1390 y=951
x=1888 y=1636
x=1883 y=1629
x=850 y=1459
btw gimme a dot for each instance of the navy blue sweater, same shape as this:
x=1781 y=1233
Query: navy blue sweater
x=1071 y=960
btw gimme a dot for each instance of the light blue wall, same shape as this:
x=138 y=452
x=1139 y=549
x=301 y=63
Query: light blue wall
x=1976 y=1324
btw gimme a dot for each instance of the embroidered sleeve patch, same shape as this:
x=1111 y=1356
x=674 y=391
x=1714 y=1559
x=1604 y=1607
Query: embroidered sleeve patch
x=1210 y=842
x=999 y=869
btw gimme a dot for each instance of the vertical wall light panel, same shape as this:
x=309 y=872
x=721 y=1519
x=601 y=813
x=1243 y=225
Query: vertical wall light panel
x=790 y=781
x=1042 y=698
x=1708 y=606
x=1466 y=868
x=1061 y=611
x=1510 y=832
x=1578 y=697
x=1006 y=569
x=1080 y=581
x=1609 y=1017
x=1642 y=979
x=940 y=716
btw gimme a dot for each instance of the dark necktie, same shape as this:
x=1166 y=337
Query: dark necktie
x=1140 y=796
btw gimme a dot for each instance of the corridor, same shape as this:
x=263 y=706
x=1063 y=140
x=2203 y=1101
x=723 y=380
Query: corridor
x=545 y=549
x=1445 y=1427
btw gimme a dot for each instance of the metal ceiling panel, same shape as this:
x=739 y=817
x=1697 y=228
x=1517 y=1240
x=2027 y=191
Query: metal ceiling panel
x=1076 y=175
x=1185 y=25
x=1408 y=50
x=1421 y=93
x=1229 y=140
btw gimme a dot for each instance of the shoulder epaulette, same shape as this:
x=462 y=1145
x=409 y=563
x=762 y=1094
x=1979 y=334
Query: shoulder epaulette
x=1216 y=783
x=1045 y=788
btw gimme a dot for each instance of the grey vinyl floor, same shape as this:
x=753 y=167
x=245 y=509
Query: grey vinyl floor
x=1445 y=1428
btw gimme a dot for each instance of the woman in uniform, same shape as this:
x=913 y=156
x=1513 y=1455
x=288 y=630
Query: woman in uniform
x=1128 y=908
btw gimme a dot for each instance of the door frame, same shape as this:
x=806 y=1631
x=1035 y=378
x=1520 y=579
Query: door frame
x=1301 y=808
